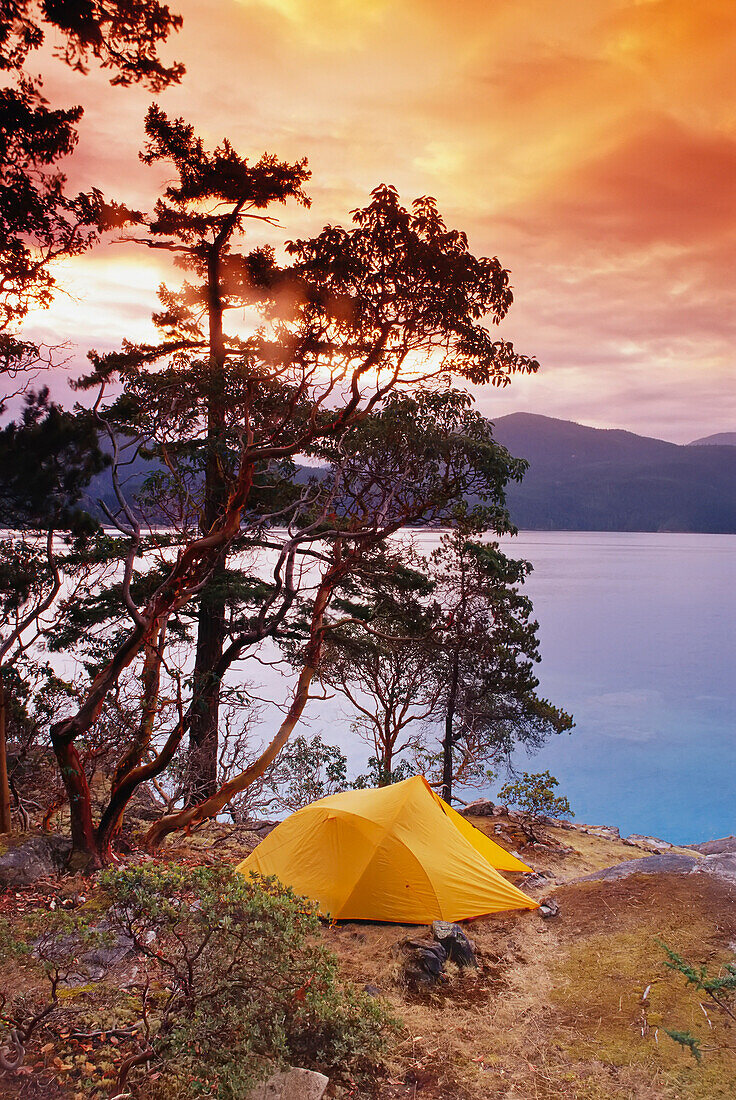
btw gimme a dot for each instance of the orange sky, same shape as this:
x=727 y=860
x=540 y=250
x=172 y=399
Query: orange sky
x=591 y=145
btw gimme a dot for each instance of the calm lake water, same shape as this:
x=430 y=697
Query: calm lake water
x=638 y=642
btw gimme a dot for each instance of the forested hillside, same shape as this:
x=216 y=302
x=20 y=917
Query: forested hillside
x=589 y=479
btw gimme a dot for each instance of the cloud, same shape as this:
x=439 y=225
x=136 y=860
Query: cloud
x=590 y=146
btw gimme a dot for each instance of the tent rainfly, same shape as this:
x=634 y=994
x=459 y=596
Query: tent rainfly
x=398 y=853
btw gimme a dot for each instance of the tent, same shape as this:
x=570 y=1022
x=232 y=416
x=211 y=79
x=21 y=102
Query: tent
x=398 y=853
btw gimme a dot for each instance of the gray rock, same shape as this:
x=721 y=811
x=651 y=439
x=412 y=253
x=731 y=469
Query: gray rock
x=715 y=847
x=292 y=1084
x=650 y=843
x=425 y=964
x=372 y=990
x=665 y=864
x=605 y=832
x=456 y=944
x=481 y=807
x=538 y=878
x=549 y=908
x=721 y=864
x=34 y=859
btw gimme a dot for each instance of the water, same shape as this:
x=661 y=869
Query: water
x=637 y=636
x=637 y=639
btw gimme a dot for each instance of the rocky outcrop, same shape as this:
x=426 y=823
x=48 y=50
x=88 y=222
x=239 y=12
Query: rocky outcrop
x=715 y=847
x=34 y=859
x=723 y=865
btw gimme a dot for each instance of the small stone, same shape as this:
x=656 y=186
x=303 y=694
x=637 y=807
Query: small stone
x=372 y=990
x=549 y=908
x=292 y=1084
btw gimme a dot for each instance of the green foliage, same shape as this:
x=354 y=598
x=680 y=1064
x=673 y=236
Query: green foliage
x=308 y=770
x=534 y=795
x=236 y=981
x=699 y=977
x=687 y=1041
x=378 y=776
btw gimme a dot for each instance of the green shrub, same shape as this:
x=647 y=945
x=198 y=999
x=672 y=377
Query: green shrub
x=236 y=981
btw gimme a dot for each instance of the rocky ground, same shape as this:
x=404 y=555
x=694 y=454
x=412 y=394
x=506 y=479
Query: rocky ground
x=572 y=1005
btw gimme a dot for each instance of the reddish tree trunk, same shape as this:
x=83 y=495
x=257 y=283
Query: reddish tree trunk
x=6 y=822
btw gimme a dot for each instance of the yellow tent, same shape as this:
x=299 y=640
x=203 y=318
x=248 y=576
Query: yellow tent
x=397 y=853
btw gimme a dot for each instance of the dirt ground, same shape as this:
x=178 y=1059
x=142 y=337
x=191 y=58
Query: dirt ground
x=575 y=1006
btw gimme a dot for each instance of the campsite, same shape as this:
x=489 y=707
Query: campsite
x=577 y=1004
x=367 y=550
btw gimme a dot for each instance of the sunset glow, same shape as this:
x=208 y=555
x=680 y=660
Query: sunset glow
x=591 y=146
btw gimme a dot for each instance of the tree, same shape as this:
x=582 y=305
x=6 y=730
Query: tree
x=486 y=649
x=321 y=326
x=39 y=221
x=533 y=795
x=341 y=368
x=458 y=651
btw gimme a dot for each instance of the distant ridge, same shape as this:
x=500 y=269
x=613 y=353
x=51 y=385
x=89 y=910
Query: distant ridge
x=720 y=439
x=579 y=479
x=593 y=479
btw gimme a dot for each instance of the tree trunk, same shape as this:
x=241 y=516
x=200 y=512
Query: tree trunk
x=201 y=779
x=85 y=852
x=212 y=806
x=447 y=740
x=6 y=823
x=201 y=775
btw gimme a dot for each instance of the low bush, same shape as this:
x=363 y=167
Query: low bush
x=236 y=982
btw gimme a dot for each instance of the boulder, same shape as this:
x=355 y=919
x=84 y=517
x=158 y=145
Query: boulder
x=292 y=1084
x=481 y=807
x=456 y=944
x=721 y=864
x=36 y=858
x=426 y=962
x=666 y=863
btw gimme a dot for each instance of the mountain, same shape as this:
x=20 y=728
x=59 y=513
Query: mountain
x=590 y=479
x=720 y=439
x=579 y=479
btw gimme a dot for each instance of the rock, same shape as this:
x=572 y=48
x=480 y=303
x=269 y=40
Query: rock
x=372 y=990
x=97 y=961
x=481 y=807
x=34 y=859
x=262 y=828
x=725 y=844
x=605 y=832
x=649 y=843
x=425 y=963
x=664 y=864
x=721 y=864
x=456 y=944
x=292 y=1084
x=539 y=878
x=549 y=908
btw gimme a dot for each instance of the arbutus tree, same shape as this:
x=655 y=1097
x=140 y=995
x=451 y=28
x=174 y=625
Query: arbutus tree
x=456 y=656
x=357 y=322
x=486 y=650
x=40 y=222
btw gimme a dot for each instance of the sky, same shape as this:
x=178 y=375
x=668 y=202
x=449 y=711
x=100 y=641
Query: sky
x=590 y=145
